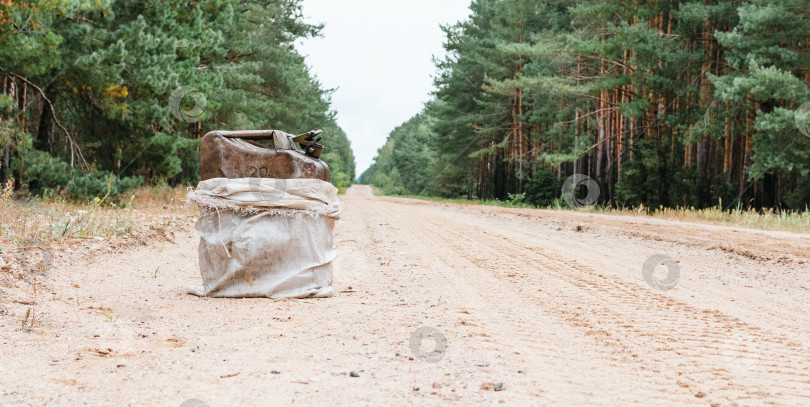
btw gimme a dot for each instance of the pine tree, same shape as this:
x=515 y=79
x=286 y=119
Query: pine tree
x=86 y=87
x=663 y=103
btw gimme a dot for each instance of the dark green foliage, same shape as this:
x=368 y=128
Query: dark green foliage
x=543 y=188
x=662 y=103
x=50 y=174
x=88 y=186
x=635 y=187
x=800 y=197
x=108 y=68
x=408 y=163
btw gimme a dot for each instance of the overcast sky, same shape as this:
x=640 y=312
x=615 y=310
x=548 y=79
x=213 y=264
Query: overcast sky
x=378 y=54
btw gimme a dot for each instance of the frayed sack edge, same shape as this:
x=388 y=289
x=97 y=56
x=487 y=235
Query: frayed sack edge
x=208 y=204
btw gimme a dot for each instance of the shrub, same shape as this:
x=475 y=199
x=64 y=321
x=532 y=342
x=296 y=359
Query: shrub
x=48 y=175
x=543 y=189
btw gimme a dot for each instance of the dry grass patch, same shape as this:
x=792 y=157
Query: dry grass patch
x=32 y=230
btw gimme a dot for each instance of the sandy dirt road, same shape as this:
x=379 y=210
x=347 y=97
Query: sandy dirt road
x=552 y=305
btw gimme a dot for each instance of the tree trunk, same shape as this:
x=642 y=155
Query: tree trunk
x=4 y=172
x=45 y=130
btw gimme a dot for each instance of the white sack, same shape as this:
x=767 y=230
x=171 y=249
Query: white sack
x=266 y=237
x=255 y=194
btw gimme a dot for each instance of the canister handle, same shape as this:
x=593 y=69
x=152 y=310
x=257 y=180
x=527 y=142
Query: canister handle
x=282 y=140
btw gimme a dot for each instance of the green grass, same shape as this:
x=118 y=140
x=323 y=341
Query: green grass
x=459 y=201
x=793 y=221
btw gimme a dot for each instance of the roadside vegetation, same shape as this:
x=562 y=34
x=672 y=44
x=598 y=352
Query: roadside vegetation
x=664 y=104
x=93 y=91
x=785 y=220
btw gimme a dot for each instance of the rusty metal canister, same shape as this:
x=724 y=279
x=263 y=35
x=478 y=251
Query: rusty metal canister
x=227 y=154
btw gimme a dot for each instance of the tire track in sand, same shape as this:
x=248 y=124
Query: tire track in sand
x=705 y=346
